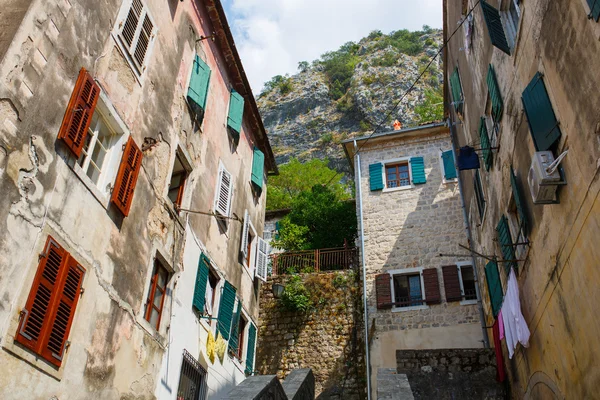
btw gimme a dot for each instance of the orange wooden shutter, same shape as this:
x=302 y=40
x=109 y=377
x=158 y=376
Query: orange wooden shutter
x=38 y=308
x=62 y=315
x=78 y=115
x=122 y=193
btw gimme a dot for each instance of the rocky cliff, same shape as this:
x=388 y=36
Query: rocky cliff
x=349 y=92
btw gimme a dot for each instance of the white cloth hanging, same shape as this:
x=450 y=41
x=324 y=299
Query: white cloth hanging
x=208 y=298
x=515 y=327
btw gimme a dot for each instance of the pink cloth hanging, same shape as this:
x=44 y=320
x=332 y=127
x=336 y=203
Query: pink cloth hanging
x=500 y=325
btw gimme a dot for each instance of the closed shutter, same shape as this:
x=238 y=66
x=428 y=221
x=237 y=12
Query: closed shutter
x=198 y=90
x=122 y=194
x=250 y=349
x=201 y=281
x=376 y=176
x=540 y=115
x=479 y=194
x=448 y=162
x=223 y=195
x=432 y=286
x=245 y=230
x=506 y=243
x=258 y=167
x=417 y=166
x=235 y=325
x=383 y=288
x=78 y=116
x=494 y=286
x=262 y=259
x=519 y=203
x=456 y=89
x=595 y=7
x=137 y=33
x=485 y=144
x=495 y=96
x=226 y=310
x=494 y=25
x=451 y=283
x=236 y=112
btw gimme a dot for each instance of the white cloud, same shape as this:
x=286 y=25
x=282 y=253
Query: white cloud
x=272 y=36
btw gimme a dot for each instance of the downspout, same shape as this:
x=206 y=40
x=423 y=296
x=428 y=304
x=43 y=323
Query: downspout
x=486 y=341
x=364 y=270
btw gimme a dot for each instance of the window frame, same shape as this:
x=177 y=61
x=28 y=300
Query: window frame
x=396 y=161
x=511 y=27
x=460 y=265
x=195 y=366
x=408 y=271
x=477 y=178
x=492 y=126
x=212 y=273
x=443 y=169
x=248 y=261
x=149 y=305
x=222 y=170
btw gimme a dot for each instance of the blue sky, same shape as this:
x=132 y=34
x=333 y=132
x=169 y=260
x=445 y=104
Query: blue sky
x=272 y=36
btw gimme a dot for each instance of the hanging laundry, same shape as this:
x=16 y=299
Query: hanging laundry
x=515 y=327
x=500 y=374
x=208 y=297
x=468 y=27
x=467 y=158
x=500 y=325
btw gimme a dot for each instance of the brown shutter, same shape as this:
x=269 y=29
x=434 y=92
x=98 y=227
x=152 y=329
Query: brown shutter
x=432 y=286
x=451 y=283
x=78 y=116
x=122 y=193
x=62 y=316
x=384 y=291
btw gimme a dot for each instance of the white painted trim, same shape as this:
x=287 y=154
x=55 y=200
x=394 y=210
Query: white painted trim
x=443 y=169
x=408 y=271
x=460 y=264
x=394 y=161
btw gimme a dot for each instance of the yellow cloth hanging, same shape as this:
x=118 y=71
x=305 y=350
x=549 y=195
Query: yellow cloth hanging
x=220 y=347
x=210 y=347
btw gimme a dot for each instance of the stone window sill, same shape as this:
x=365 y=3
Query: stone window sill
x=101 y=197
x=33 y=359
x=448 y=181
x=396 y=189
x=468 y=302
x=413 y=308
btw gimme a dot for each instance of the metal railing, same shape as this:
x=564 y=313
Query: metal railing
x=319 y=260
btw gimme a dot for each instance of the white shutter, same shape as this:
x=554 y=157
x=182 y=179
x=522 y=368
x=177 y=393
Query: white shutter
x=262 y=259
x=223 y=195
x=246 y=227
x=137 y=33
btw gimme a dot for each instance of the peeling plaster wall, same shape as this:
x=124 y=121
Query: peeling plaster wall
x=113 y=351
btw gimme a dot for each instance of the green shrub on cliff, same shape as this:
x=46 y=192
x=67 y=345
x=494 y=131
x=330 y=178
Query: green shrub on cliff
x=295 y=296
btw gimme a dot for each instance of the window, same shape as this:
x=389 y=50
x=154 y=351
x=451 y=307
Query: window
x=479 y=197
x=484 y=142
x=205 y=288
x=50 y=308
x=517 y=217
x=224 y=193
x=248 y=242
x=192 y=381
x=467 y=282
x=198 y=88
x=241 y=332
x=447 y=166
x=494 y=107
x=543 y=124
x=495 y=27
x=211 y=291
x=457 y=92
x=235 y=115
x=177 y=183
x=491 y=125
x=397 y=175
x=407 y=290
x=156 y=294
x=506 y=244
x=136 y=32
x=258 y=168
x=511 y=14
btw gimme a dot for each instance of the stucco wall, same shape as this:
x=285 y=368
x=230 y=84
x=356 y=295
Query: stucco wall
x=557 y=281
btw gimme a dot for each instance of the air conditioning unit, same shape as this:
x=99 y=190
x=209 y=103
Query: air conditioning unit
x=541 y=183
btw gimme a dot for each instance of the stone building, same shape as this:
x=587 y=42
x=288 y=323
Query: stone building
x=133 y=167
x=522 y=91
x=411 y=210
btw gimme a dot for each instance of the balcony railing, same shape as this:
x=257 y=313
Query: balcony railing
x=319 y=260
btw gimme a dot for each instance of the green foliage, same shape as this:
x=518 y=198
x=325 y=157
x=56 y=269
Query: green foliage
x=375 y=34
x=295 y=296
x=403 y=41
x=326 y=138
x=340 y=280
x=283 y=83
x=346 y=105
x=339 y=67
x=295 y=177
x=292 y=237
x=364 y=125
x=429 y=42
x=389 y=59
x=303 y=66
x=315 y=123
x=369 y=79
x=286 y=86
x=432 y=108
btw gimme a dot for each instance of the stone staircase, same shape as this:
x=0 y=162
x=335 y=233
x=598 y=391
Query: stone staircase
x=392 y=386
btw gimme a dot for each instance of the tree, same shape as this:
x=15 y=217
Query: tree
x=432 y=108
x=303 y=66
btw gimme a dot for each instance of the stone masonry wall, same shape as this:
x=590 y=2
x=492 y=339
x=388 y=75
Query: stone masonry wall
x=328 y=339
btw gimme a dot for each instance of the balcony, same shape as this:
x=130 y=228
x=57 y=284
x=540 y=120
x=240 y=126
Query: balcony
x=319 y=260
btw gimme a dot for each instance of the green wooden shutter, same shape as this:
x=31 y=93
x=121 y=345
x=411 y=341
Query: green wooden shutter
x=250 y=349
x=236 y=112
x=518 y=196
x=417 y=166
x=456 y=89
x=495 y=96
x=479 y=194
x=595 y=7
x=506 y=243
x=226 y=310
x=376 y=176
x=198 y=89
x=494 y=286
x=258 y=165
x=485 y=144
x=494 y=25
x=201 y=281
x=540 y=115
x=449 y=168
x=235 y=324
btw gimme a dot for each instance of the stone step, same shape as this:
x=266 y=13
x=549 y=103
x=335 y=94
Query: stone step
x=392 y=385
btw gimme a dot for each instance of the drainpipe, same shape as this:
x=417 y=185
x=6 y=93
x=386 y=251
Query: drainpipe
x=486 y=341
x=364 y=269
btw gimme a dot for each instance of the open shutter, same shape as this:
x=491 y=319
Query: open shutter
x=456 y=89
x=494 y=286
x=495 y=96
x=432 y=286
x=78 y=116
x=519 y=203
x=376 y=176
x=122 y=194
x=506 y=243
x=258 y=167
x=236 y=112
x=494 y=25
x=223 y=197
x=540 y=115
x=198 y=90
x=245 y=229
x=417 y=166
x=262 y=259
x=250 y=349
x=451 y=283
x=383 y=288
x=226 y=310
x=36 y=314
x=235 y=324
x=479 y=194
x=448 y=162
x=485 y=144
x=62 y=315
x=595 y=9
x=201 y=280
x=137 y=34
